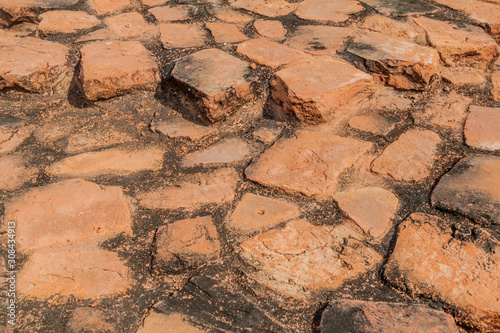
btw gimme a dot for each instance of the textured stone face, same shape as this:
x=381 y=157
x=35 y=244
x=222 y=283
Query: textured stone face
x=268 y=8
x=14 y=173
x=482 y=128
x=172 y=13
x=103 y=7
x=180 y=35
x=270 y=29
x=225 y=32
x=155 y=322
x=227 y=151
x=130 y=24
x=401 y=7
x=65 y=21
x=318 y=39
x=328 y=11
x=270 y=54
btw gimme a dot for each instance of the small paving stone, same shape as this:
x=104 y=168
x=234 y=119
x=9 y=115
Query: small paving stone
x=225 y=32
x=179 y=127
x=495 y=82
x=13 y=135
x=179 y=35
x=113 y=161
x=375 y=124
x=372 y=208
x=14 y=172
x=221 y=82
x=313 y=91
x=445 y=110
x=301 y=259
x=32 y=64
x=68 y=211
x=267 y=134
x=186 y=244
x=81 y=271
x=157 y=322
x=172 y=13
x=387 y=26
x=65 y=21
x=318 y=39
x=231 y=16
x=270 y=29
x=389 y=100
x=19 y=30
x=111 y=69
x=270 y=54
x=401 y=7
x=103 y=7
x=464 y=275
x=471 y=188
x=130 y=24
x=201 y=189
x=93 y=140
x=269 y=8
x=224 y=152
x=463 y=75
x=401 y=64
x=255 y=212
x=152 y=3
x=467 y=46
x=90 y=320
x=309 y=163
x=409 y=158
x=328 y=11
x=101 y=34
x=482 y=128
x=362 y=316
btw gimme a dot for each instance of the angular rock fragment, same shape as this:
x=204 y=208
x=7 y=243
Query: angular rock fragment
x=65 y=21
x=270 y=8
x=328 y=11
x=172 y=13
x=103 y=7
x=376 y=124
x=270 y=29
x=225 y=32
x=463 y=75
x=179 y=127
x=319 y=39
x=181 y=35
x=270 y=54
x=482 y=128
x=227 y=151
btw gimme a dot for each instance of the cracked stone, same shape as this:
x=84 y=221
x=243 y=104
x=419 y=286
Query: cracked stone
x=328 y=11
x=65 y=21
x=318 y=39
x=130 y=24
x=181 y=35
x=224 y=152
x=225 y=32
x=387 y=26
x=173 y=13
x=269 y=8
x=270 y=54
x=157 y=322
x=270 y=29
x=12 y=135
x=15 y=172
x=482 y=128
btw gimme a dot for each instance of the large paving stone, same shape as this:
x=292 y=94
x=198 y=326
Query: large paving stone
x=388 y=26
x=14 y=172
x=328 y=11
x=401 y=64
x=401 y=7
x=482 y=128
x=182 y=35
x=178 y=127
x=68 y=211
x=32 y=64
x=471 y=188
x=110 y=69
x=428 y=261
x=314 y=91
x=270 y=54
x=466 y=46
x=65 y=21
x=201 y=189
x=319 y=39
x=270 y=8
x=301 y=259
x=126 y=25
x=229 y=15
x=369 y=317
x=409 y=158
x=309 y=163
x=220 y=82
x=230 y=150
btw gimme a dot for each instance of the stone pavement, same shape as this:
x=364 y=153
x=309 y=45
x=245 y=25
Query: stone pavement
x=250 y=165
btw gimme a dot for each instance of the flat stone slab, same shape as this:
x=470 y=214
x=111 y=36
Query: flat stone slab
x=375 y=124
x=115 y=68
x=463 y=75
x=221 y=82
x=328 y=11
x=103 y=7
x=13 y=135
x=15 y=172
x=227 y=151
x=269 y=8
x=65 y=21
x=270 y=54
x=126 y=25
x=155 y=321
x=471 y=188
x=401 y=7
x=309 y=163
x=428 y=261
x=270 y=28
x=179 y=127
x=172 y=13
x=319 y=39
x=495 y=82
x=388 y=26
x=225 y=14
x=401 y=64
x=37 y=3
x=482 y=128
x=225 y=32
x=85 y=317
x=182 y=35
x=300 y=259
x=32 y=64
x=313 y=91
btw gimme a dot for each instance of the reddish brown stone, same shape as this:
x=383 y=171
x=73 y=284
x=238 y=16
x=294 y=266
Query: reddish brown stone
x=14 y=172
x=401 y=7
x=101 y=34
x=488 y=14
x=111 y=69
x=225 y=32
x=12 y=135
x=495 y=82
x=179 y=127
x=318 y=39
x=152 y=3
x=270 y=8
x=103 y=7
x=428 y=261
x=270 y=29
x=267 y=134
x=180 y=35
x=463 y=75
x=231 y=16
x=130 y=24
x=387 y=26
x=313 y=91
x=482 y=128
x=270 y=54
x=82 y=141
x=87 y=319
x=409 y=158
x=224 y=152
x=328 y=11
x=156 y=322
x=172 y=13
x=376 y=124
x=65 y=21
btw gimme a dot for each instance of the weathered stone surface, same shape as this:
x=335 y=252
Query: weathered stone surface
x=65 y=21
x=81 y=271
x=154 y=2
x=328 y=11
x=231 y=16
x=83 y=141
x=103 y=7
x=318 y=39
x=19 y=30
x=428 y=261
x=314 y=90
x=390 y=100
x=116 y=68
x=270 y=54
x=309 y=163
x=471 y=188
x=463 y=75
x=221 y=82
x=180 y=35
x=372 y=208
x=465 y=46
x=487 y=13
x=387 y=26
x=445 y=110
x=225 y=32
x=401 y=64
x=201 y=189
x=270 y=29
x=267 y=134
x=72 y=210
x=186 y=244
x=130 y=24
x=495 y=82
x=226 y=151
x=401 y=7
x=32 y=64
x=14 y=172
x=410 y=157
x=113 y=161
x=6 y=4
x=179 y=127
x=301 y=259
x=87 y=319
x=496 y=64
x=482 y=128
x=376 y=124
x=12 y=135
x=255 y=212
x=172 y=13
x=268 y=8
x=361 y=316
x=101 y=34
x=156 y=323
